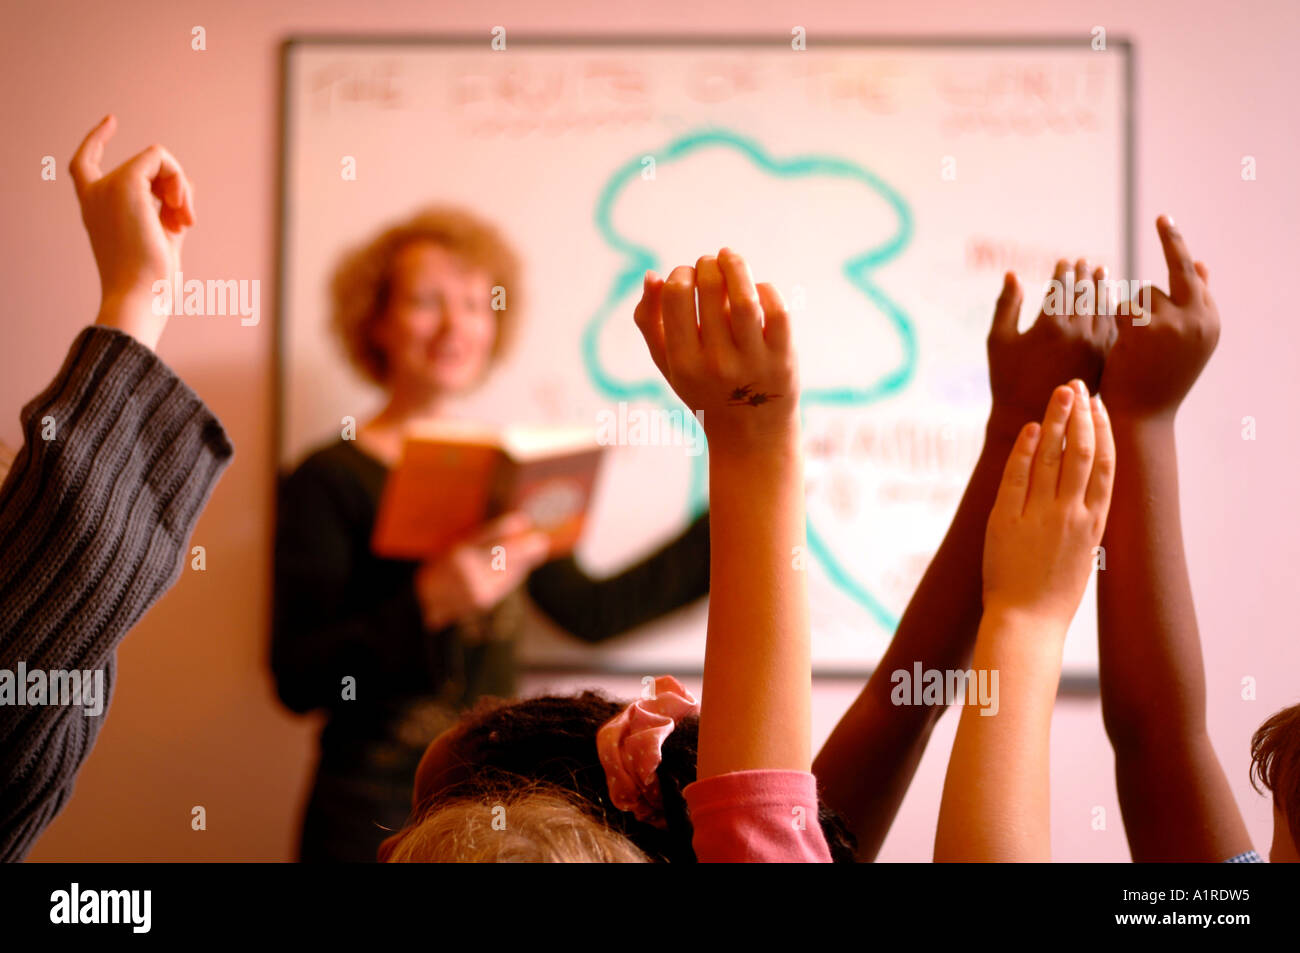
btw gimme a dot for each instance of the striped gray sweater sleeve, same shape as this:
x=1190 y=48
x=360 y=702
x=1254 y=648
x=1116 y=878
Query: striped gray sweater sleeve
x=118 y=459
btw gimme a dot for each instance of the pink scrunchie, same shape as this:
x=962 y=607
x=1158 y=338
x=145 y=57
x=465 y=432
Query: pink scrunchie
x=630 y=746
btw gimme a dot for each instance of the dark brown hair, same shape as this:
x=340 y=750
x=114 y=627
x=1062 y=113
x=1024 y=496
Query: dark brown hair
x=1275 y=764
x=551 y=740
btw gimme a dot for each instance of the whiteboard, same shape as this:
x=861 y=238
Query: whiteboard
x=883 y=185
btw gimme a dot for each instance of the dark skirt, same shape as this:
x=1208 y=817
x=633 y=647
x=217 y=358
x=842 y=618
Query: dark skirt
x=353 y=807
x=362 y=790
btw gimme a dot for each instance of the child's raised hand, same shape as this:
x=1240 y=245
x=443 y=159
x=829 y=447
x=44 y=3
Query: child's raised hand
x=1066 y=344
x=1050 y=512
x=1153 y=365
x=136 y=217
x=731 y=358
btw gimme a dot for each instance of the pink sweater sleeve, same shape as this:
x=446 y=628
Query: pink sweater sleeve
x=757 y=816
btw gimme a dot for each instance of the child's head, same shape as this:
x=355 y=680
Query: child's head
x=534 y=825
x=500 y=748
x=1275 y=764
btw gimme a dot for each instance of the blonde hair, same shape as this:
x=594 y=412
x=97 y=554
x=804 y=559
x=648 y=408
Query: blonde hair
x=537 y=825
x=362 y=280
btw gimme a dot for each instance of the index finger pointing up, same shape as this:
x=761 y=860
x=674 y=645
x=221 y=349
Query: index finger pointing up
x=84 y=167
x=1182 y=270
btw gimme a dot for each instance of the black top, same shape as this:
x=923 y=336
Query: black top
x=342 y=611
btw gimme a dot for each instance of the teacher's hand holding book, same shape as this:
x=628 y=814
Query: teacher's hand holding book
x=476 y=574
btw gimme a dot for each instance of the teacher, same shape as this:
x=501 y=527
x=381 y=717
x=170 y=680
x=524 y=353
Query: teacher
x=392 y=651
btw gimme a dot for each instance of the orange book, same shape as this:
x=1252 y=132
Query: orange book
x=453 y=477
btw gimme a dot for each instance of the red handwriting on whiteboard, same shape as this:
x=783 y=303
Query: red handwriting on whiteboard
x=540 y=87
x=985 y=253
x=1021 y=99
x=866 y=84
x=355 y=84
x=720 y=80
x=549 y=98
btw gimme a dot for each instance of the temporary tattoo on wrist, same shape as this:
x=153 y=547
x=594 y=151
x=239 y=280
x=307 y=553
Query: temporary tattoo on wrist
x=748 y=396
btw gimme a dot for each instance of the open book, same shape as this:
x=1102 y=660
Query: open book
x=453 y=477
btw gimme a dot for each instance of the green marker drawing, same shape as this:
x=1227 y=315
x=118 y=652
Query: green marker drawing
x=857 y=270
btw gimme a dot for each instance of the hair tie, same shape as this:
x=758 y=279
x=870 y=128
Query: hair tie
x=630 y=746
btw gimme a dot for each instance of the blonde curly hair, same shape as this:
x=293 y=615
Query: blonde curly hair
x=538 y=824
x=362 y=280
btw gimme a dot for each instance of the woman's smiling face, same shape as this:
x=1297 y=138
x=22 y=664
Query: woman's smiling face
x=439 y=328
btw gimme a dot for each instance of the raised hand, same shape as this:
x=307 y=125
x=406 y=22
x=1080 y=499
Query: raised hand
x=1173 y=793
x=732 y=358
x=1068 y=340
x=1050 y=512
x=136 y=217
x=1159 y=353
x=869 y=760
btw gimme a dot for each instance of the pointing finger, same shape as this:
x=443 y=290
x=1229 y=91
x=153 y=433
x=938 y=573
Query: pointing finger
x=1006 y=313
x=1182 y=271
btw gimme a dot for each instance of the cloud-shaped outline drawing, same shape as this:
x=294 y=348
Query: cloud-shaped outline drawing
x=857 y=270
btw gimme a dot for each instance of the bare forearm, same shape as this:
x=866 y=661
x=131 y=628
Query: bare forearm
x=1152 y=679
x=756 y=669
x=133 y=315
x=867 y=764
x=1173 y=794
x=996 y=795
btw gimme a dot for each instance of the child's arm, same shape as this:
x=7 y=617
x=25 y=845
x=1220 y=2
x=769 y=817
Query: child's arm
x=736 y=365
x=1049 y=514
x=118 y=460
x=1175 y=801
x=867 y=763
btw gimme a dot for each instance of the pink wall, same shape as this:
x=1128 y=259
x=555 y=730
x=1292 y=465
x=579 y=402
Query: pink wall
x=195 y=720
